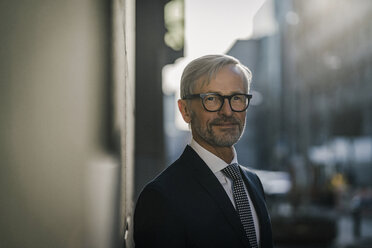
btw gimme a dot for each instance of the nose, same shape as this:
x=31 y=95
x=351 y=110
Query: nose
x=226 y=108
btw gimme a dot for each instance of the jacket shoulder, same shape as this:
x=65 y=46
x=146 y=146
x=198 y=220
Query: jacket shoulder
x=175 y=174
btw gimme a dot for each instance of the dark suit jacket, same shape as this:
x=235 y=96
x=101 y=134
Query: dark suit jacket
x=186 y=206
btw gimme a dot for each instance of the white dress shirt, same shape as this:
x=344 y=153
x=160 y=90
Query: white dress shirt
x=216 y=165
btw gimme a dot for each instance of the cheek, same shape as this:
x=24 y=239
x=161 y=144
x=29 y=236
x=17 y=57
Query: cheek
x=241 y=117
x=201 y=119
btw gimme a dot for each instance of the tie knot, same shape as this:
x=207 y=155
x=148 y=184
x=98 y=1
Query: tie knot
x=232 y=171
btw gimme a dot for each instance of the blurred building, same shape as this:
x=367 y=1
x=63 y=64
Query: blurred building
x=326 y=101
x=326 y=79
x=154 y=27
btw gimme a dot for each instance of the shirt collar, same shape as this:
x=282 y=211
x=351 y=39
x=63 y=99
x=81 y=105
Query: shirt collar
x=214 y=163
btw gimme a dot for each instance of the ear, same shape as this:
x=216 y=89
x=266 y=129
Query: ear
x=185 y=112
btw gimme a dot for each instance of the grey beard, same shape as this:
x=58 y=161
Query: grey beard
x=226 y=140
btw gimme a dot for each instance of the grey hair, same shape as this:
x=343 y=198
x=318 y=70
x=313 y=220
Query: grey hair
x=208 y=66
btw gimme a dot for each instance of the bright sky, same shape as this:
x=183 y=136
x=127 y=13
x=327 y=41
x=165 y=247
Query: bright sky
x=211 y=26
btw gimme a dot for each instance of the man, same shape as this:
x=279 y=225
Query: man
x=205 y=199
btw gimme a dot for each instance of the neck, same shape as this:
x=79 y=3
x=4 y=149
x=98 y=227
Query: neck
x=224 y=153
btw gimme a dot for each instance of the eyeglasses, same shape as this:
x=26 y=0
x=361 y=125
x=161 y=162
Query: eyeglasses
x=213 y=102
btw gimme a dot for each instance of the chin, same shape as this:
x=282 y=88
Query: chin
x=228 y=142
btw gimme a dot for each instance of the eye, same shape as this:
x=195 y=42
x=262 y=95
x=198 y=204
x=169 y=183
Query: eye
x=238 y=98
x=211 y=98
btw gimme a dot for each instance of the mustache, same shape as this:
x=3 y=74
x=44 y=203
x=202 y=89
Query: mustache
x=224 y=120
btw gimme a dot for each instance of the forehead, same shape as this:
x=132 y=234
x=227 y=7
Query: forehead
x=229 y=78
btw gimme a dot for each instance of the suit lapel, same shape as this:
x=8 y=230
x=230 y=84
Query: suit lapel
x=260 y=207
x=210 y=183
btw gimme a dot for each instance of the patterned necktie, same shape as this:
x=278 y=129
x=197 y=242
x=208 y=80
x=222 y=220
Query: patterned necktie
x=242 y=203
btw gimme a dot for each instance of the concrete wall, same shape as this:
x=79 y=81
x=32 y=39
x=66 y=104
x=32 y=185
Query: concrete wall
x=124 y=93
x=66 y=129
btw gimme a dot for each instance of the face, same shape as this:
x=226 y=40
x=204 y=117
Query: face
x=224 y=127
